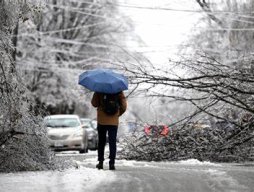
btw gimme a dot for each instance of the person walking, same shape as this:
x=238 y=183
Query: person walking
x=109 y=108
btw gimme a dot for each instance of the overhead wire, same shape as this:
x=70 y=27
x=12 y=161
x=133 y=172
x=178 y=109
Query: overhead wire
x=99 y=45
x=101 y=23
x=161 y=8
x=62 y=30
x=135 y=6
x=78 y=10
x=140 y=7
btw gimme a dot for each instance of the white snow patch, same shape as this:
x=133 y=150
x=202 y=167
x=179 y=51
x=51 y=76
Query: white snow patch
x=129 y=163
x=78 y=180
x=133 y=163
x=197 y=162
x=191 y=162
x=91 y=162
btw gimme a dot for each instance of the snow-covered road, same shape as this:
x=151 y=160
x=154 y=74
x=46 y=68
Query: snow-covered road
x=132 y=176
x=182 y=177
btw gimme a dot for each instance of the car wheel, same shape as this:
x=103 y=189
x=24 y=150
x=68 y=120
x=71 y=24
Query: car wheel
x=82 y=151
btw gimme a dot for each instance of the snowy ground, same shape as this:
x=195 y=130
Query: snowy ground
x=189 y=176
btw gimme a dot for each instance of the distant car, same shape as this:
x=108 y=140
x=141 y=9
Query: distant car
x=91 y=130
x=66 y=133
x=85 y=121
x=94 y=124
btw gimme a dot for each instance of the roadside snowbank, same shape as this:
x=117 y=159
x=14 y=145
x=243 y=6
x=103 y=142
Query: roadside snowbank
x=197 y=162
x=78 y=180
x=91 y=162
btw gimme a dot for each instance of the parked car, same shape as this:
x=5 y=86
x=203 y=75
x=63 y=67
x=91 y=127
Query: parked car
x=85 y=122
x=94 y=124
x=66 y=133
x=92 y=134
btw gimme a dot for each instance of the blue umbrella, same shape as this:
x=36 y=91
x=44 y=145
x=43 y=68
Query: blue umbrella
x=103 y=81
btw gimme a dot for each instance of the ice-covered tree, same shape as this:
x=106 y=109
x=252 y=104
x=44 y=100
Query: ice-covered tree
x=68 y=38
x=227 y=43
x=23 y=141
x=216 y=75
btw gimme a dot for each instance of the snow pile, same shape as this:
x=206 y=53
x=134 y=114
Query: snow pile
x=28 y=151
x=83 y=179
x=197 y=162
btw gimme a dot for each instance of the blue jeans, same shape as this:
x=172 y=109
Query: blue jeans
x=102 y=134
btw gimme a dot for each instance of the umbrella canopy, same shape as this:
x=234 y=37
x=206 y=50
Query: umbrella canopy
x=103 y=81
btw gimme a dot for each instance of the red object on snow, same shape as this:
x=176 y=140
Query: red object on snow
x=147 y=130
x=165 y=131
x=157 y=130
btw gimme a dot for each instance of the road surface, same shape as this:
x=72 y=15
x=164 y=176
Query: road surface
x=132 y=176
x=183 y=176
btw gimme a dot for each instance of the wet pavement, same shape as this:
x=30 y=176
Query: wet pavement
x=133 y=176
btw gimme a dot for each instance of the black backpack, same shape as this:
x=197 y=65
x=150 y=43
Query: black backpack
x=110 y=103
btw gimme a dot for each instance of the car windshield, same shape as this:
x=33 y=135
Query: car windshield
x=94 y=124
x=86 y=122
x=62 y=122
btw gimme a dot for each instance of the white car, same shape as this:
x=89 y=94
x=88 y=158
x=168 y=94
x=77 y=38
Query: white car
x=66 y=133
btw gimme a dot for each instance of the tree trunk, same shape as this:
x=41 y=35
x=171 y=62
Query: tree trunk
x=15 y=42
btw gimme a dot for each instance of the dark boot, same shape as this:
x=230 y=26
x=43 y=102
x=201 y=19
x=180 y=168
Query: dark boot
x=112 y=167
x=100 y=165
